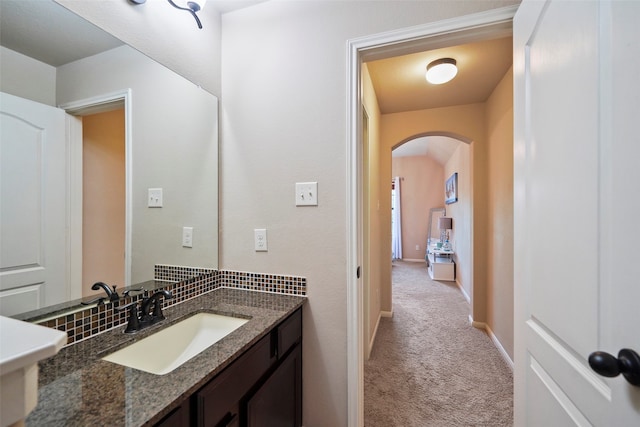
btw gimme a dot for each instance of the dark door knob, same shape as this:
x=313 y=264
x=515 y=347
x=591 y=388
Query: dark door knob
x=627 y=364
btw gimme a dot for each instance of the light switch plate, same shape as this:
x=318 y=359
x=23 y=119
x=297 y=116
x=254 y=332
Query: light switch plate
x=306 y=194
x=155 y=198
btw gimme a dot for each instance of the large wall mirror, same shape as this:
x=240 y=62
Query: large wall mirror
x=135 y=135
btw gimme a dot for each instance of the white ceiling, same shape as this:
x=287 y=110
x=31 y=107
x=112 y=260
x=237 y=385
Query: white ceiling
x=46 y=31
x=225 y=6
x=400 y=85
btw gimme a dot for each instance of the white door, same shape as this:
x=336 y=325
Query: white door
x=577 y=209
x=33 y=207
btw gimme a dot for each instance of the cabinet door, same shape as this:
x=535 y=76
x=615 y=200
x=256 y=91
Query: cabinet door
x=278 y=402
x=217 y=402
x=289 y=332
x=179 y=417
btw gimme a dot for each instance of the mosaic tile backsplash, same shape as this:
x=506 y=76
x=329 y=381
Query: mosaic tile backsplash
x=187 y=283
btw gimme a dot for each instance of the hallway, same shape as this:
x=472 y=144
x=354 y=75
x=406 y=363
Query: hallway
x=429 y=366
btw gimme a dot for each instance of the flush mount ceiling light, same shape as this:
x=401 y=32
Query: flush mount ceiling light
x=190 y=6
x=441 y=70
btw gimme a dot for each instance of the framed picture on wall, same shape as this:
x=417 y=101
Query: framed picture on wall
x=451 y=189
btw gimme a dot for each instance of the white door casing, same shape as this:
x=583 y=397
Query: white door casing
x=576 y=101
x=33 y=210
x=77 y=109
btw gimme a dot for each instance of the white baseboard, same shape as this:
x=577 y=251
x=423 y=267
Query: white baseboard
x=375 y=330
x=494 y=339
x=373 y=337
x=464 y=293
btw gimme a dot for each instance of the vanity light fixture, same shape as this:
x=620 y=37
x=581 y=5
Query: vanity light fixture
x=190 y=6
x=441 y=70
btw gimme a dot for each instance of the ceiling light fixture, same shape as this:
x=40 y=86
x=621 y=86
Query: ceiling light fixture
x=441 y=70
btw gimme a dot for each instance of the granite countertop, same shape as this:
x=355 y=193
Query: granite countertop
x=77 y=388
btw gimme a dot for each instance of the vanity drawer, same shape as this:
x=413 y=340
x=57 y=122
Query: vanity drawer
x=289 y=332
x=218 y=400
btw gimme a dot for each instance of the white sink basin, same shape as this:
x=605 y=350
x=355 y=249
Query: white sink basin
x=164 y=351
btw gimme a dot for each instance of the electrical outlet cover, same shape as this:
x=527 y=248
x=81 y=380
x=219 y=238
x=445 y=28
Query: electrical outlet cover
x=187 y=237
x=260 y=240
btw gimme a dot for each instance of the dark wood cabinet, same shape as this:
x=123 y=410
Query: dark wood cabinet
x=179 y=417
x=262 y=387
x=219 y=400
x=278 y=402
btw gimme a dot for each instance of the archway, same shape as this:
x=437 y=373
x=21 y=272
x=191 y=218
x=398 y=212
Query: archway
x=425 y=162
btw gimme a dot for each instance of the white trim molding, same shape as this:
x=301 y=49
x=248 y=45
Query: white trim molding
x=373 y=336
x=94 y=105
x=464 y=292
x=496 y=342
x=375 y=330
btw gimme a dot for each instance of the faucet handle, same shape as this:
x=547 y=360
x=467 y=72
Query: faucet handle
x=157 y=304
x=98 y=301
x=131 y=305
x=134 y=321
x=128 y=291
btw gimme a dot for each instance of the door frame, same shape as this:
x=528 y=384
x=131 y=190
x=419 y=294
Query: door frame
x=82 y=107
x=474 y=27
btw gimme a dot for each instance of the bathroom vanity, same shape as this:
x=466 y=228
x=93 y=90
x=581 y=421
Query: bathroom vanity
x=250 y=377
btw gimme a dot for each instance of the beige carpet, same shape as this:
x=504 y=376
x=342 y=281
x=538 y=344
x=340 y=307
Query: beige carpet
x=429 y=366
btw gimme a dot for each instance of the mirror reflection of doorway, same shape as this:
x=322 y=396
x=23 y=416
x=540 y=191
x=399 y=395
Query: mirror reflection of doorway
x=103 y=199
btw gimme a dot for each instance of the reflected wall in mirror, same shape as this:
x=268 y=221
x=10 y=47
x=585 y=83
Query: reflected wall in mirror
x=143 y=127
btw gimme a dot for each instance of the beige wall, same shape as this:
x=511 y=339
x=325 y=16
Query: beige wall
x=371 y=214
x=284 y=103
x=500 y=215
x=466 y=123
x=483 y=224
x=421 y=188
x=485 y=199
x=26 y=77
x=461 y=212
x=103 y=200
